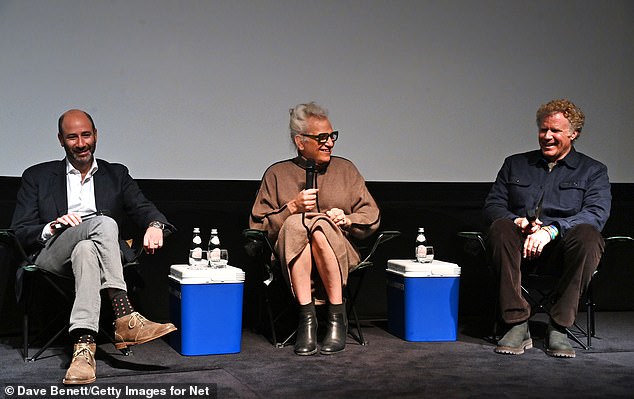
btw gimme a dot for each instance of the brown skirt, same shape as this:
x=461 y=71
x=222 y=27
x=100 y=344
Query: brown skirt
x=293 y=238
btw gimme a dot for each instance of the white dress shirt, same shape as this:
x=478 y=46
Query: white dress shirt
x=80 y=194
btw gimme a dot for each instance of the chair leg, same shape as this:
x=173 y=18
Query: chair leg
x=542 y=304
x=47 y=344
x=359 y=337
x=590 y=319
x=25 y=336
x=575 y=338
x=351 y=310
x=589 y=325
x=27 y=305
x=272 y=320
x=269 y=312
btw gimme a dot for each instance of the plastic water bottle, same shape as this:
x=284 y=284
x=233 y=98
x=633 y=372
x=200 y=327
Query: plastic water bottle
x=213 y=247
x=195 y=249
x=421 y=245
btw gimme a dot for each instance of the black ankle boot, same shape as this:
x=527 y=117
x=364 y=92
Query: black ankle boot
x=306 y=338
x=336 y=330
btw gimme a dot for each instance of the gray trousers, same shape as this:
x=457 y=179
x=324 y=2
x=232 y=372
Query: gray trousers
x=90 y=254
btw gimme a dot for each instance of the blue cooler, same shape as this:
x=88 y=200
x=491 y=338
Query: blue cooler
x=422 y=300
x=206 y=307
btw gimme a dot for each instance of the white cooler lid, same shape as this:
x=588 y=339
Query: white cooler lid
x=411 y=268
x=186 y=274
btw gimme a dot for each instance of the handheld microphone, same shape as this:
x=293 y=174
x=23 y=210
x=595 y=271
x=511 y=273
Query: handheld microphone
x=59 y=226
x=310 y=180
x=310 y=174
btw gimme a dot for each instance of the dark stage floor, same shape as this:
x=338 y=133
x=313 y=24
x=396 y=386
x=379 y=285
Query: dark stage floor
x=387 y=367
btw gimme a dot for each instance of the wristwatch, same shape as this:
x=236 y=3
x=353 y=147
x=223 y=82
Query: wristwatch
x=157 y=224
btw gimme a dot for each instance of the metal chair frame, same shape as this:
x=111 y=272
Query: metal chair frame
x=541 y=302
x=31 y=271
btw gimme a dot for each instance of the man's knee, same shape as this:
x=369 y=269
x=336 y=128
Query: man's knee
x=586 y=231
x=584 y=237
x=105 y=225
x=501 y=229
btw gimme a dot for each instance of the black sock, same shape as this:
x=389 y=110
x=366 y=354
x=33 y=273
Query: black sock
x=83 y=336
x=121 y=304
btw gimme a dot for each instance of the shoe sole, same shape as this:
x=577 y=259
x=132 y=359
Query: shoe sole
x=78 y=382
x=123 y=345
x=306 y=353
x=561 y=354
x=331 y=352
x=509 y=350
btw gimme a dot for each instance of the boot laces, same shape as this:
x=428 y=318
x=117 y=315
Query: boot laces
x=83 y=350
x=135 y=318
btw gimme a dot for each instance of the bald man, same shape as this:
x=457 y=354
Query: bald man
x=54 y=222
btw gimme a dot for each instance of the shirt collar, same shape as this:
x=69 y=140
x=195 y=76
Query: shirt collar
x=571 y=159
x=70 y=169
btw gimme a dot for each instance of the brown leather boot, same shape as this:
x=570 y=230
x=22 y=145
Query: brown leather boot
x=82 y=368
x=135 y=329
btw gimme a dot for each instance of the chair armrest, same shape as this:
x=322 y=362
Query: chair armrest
x=8 y=237
x=261 y=236
x=612 y=239
x=474 y=235
x=383 y=236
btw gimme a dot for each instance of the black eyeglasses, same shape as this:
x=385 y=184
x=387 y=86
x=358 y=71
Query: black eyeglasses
x=322 y=138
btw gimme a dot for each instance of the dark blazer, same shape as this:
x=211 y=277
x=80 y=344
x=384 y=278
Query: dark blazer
x=42 y=199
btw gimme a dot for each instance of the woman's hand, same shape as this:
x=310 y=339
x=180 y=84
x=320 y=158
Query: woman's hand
x=305 y=201
x=340 y=219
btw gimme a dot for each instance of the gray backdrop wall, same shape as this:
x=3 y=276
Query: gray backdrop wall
x=420 y=90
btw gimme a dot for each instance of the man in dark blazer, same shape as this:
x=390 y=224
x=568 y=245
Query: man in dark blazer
x=68 y=215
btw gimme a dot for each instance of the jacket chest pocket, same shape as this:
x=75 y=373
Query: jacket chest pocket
x=519 y=191
x=571 y=195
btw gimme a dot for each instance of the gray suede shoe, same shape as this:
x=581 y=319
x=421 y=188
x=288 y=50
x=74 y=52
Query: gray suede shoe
x=557 y=344
x=515 y=341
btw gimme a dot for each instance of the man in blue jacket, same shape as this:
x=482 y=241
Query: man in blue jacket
x=547 y=208
x=53 y=222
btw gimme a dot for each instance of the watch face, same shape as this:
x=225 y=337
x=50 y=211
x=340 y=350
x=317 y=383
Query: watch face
x=157 y=224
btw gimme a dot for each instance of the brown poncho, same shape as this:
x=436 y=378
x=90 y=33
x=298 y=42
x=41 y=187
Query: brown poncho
x=340 y=186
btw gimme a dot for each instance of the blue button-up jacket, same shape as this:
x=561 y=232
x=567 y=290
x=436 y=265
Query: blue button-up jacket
x=576 y=191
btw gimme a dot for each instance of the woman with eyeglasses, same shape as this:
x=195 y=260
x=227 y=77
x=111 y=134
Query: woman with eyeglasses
x=312 y=206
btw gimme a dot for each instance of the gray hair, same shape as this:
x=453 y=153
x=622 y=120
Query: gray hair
x=300 y=114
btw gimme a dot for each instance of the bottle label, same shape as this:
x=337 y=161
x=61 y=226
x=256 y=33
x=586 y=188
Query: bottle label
x=421 y=251
x=195 y=256
x=214 y=255
x=197 y=240
x=215 y=240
